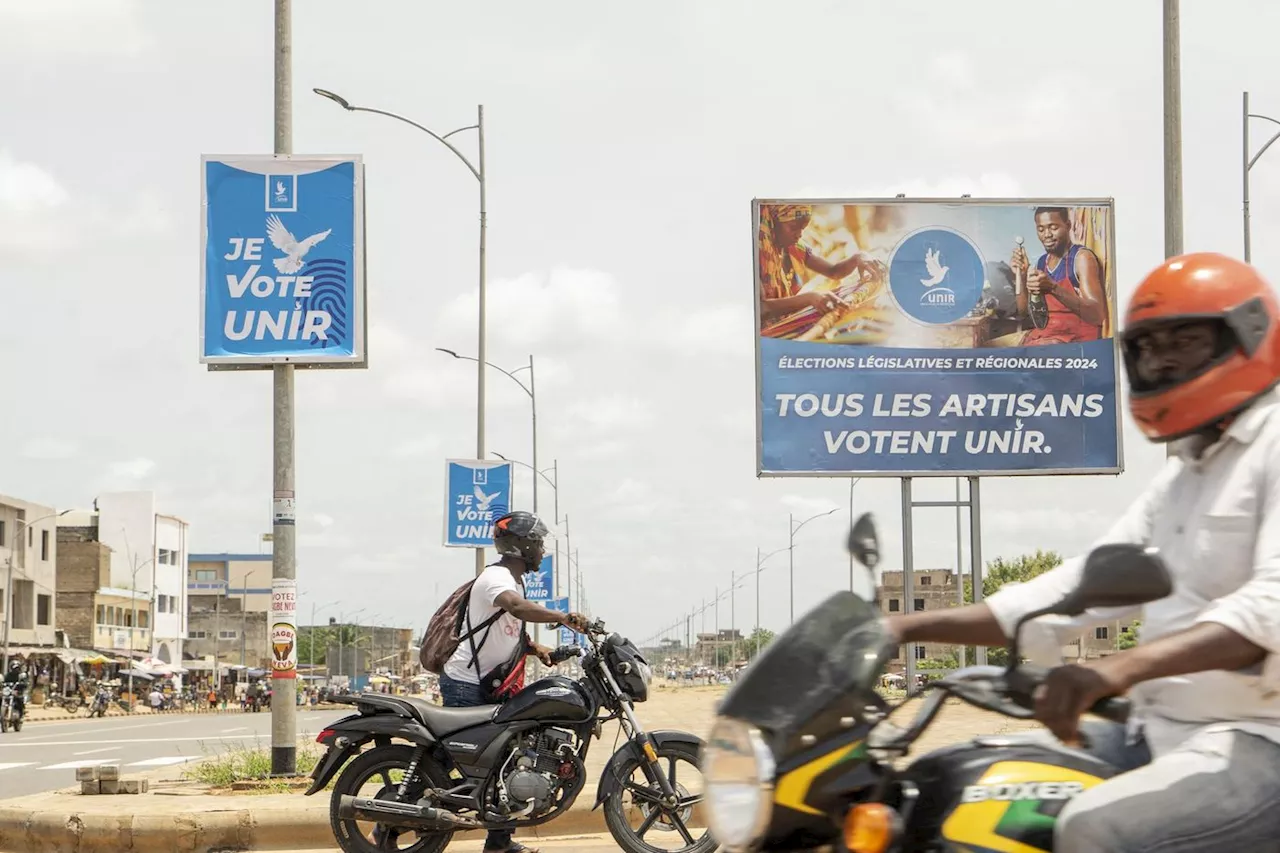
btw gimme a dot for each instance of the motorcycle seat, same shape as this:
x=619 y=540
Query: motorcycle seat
x=439 y=720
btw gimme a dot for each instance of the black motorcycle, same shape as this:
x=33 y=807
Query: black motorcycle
x=12 y=707
x=433 y=771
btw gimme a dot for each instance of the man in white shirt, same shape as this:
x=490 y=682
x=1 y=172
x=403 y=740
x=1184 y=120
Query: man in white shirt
x=497 y=645
x=1202 y=351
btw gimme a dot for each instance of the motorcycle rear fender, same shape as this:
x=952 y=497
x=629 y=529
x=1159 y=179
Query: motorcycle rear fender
x=355 y=731
x=611 y=780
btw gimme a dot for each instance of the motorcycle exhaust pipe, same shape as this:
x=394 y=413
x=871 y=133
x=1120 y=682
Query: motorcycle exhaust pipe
x=408 y=815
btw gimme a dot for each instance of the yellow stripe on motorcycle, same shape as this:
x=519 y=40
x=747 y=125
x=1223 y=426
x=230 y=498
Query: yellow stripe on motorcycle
x=792 y=788
x=994 y=825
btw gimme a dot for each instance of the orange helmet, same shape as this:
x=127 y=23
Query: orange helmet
x=1246 y=363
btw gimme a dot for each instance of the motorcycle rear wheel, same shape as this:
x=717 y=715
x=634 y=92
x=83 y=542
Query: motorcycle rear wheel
x=360 y=772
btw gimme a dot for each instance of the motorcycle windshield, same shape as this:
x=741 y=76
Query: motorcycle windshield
x=836 y=649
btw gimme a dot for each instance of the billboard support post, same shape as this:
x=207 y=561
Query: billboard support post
x=974 y=505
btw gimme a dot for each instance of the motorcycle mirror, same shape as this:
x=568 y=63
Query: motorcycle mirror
x=1118 y=575
x=1113 y=575
x=864 y=543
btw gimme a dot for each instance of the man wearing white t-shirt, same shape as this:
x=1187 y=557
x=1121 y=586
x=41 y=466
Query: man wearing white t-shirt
x=496 y=645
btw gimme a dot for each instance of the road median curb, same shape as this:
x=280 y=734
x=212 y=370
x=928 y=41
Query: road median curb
x=203 y=828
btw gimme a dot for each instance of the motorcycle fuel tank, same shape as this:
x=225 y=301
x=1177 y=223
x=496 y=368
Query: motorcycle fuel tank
x=1001 y=795
x=552 y=699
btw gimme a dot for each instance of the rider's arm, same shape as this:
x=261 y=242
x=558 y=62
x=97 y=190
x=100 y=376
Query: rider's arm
x=527 y=611
x=992 y=621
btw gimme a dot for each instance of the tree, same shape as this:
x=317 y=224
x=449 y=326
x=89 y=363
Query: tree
x=1129 y=636
x=1000 y=572
x=759 y=638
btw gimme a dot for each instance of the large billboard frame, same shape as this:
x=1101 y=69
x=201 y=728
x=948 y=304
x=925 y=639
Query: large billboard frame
x=1038 y=201
x=360 y=326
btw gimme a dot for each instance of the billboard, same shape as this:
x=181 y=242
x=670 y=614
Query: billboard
x=539 y=586
x=928 y=337
x=567 y=636
x=477 y=493
x=282 y=272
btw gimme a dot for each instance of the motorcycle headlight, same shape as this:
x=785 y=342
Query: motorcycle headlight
x=738 y=770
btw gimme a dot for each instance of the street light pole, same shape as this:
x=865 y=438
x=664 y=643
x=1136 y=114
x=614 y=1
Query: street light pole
x=478 y=171
x=533 y=404
x=791 y=547
x=1247 y=162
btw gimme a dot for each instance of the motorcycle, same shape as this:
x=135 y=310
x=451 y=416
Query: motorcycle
x=802 y=752
x=101 y=699
x=513 y=765
x=10 y=716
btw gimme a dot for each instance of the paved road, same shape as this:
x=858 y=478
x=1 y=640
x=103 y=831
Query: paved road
x=473 y=842
x=43 y=756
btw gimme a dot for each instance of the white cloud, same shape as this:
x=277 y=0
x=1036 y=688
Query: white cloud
x=132 y=469
x=613 y=414
x=50 y=448
x=27 y=189
x=322 y=520
x=718 y=330
x=565 y=306
x=72 y=28
x=805 y=507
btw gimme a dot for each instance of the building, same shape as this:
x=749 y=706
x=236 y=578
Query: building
x=726 y=638
x=92 y=613
x=364 y=650
x=933 y=589
x=147 y=551
x=28 y=555
x=229 y=599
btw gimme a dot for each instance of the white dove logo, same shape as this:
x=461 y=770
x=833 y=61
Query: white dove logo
x=483 y=500
x=287 y=243
x=280 y=191
x=933 y=265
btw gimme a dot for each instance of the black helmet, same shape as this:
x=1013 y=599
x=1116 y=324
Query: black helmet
x=520 y=534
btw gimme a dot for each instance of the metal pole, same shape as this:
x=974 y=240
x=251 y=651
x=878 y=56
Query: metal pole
x=8 y=605
x=1172 y=130
x=733 y=617
x=481 y=354
x=1245 y=170
x=284 y=566
x=960 y=655
x=757 y=602
x=533 y=407
x=908 y=567
x=975 y=549
x=791 y=564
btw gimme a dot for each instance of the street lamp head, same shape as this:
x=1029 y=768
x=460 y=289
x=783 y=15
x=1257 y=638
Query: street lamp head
x=448 y=352
x=336 y=98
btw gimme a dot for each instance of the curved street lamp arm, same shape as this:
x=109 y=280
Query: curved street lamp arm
x=813 y=518
x=1265 y=118
x=429 y=132
x=1263 y=149
x=508 y=373
x=527 y=465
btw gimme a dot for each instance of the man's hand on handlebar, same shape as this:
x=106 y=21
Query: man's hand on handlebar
x=1070 y=691
x=576 y=621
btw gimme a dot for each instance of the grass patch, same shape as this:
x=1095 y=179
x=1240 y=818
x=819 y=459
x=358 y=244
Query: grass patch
x=221 y=769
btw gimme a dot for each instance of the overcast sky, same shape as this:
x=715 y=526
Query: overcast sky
x=625 y=143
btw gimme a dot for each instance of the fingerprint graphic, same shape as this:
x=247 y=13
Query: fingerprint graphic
x=497 y=511
x=329 y=293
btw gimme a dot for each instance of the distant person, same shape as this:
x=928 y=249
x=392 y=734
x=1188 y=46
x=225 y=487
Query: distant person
x=21 y=682
x=1070 y=279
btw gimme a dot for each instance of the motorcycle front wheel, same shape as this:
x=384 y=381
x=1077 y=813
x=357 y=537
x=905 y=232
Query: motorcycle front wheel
x=377 y=774
x=683 y=825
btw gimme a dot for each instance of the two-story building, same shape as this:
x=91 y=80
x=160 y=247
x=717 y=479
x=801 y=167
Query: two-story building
x=93 y=613
x=28 y=558
x=229 y=599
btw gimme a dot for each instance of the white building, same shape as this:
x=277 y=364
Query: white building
x=148 y=555
x=28 y=546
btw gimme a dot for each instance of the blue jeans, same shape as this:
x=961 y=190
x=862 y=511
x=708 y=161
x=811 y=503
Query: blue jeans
x=460 y=694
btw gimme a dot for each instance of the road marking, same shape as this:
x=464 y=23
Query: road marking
x=14 y=764
x=163 y=762
x=72 y=765
x=92 y=751
x=265 y=736
x=241 y=729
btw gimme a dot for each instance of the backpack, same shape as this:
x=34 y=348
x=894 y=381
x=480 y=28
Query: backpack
x=444 y=632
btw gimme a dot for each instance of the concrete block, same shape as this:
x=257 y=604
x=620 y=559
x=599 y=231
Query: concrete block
x=89 y=786
x=109 y=772
x=109 y=786
x=87 y=774
x=131 y=786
